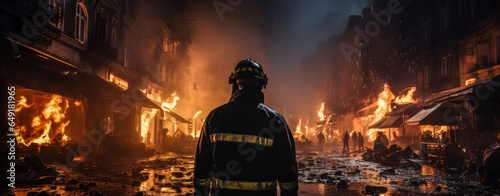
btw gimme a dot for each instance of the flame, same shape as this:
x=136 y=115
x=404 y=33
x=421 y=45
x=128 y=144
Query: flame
x=22 y=103
x=321 y=112
x=384 y=106
x=49 y=122
x=408 y=98
x=170 y=104
x=78 y=103
x=197 y=113
x=44 y=138
x=53 y=110
x=79 y=159
x=146 y=118
x=384 y=103
x=297 y=130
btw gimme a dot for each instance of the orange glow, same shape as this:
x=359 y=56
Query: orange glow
x=196 y=115
x=118 y=81
x=146 y=118
x=470 y=81
x=384 y=106
x=22 y=104
x=50 y=121
x=170 y=104
x=297 y=130
x=408 y=98
x=321 y=112
x=79 y=159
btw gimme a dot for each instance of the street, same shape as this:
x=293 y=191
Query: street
x=329 y=173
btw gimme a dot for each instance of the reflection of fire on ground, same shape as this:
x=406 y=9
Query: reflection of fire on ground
x=42 y=118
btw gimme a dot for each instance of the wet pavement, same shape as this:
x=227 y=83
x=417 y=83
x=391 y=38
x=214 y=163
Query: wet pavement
x=329 y=173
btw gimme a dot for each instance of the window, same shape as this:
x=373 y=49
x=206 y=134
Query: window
x=114 y=38
x=81 y=22
x=444 y=19
x=168 y=47
x=126 y=56
x=129 y=8
x=101 y=28
x=483 y=52
x=445 y=66
x=473 y=6
x=425 y=32
x=56 y=7
x=426 y=75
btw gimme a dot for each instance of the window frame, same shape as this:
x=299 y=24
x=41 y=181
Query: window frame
x=52 y=6
x=79 y=33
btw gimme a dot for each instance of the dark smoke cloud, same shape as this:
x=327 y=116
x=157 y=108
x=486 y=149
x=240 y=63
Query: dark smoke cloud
x=277 y=33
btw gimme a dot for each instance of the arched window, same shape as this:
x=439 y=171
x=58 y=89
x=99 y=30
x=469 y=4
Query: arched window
x=81 y=22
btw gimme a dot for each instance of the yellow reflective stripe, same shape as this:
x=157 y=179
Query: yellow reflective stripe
x=244 y=185
x=201 y=181
x=229 y=137
x=243 y=68
x=289 y=185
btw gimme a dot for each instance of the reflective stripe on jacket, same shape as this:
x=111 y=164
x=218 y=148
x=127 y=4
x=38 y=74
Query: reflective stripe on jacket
x=244 y=147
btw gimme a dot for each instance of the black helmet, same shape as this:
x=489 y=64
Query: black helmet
x=249 y=69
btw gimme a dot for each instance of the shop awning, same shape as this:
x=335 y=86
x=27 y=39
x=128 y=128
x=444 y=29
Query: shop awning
x=388 y=122
x=435 y=115
x=154 y=104
x=176 y=116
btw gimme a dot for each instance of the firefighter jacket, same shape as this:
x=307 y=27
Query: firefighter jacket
x=245 y=148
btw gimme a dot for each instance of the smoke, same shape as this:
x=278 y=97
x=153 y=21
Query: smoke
x=278 y=34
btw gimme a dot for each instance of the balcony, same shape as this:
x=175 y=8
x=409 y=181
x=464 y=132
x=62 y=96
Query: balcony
x=100 y=53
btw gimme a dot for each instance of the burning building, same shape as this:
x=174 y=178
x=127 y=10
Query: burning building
x=92 y=69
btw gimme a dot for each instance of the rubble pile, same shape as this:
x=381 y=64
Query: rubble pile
x=393 y=156
x=32 y=170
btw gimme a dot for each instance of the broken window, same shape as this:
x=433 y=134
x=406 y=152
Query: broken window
x=56 y=7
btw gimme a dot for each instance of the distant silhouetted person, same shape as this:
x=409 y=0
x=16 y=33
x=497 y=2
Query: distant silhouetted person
x=385 y=141
x=394 y=135
x=361 y=142
x=321 y=140
x=378 y=142
x=346 y=143
x=444 y=137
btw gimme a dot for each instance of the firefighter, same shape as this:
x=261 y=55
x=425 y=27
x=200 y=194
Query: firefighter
x=321 y=141
x=346 y=143
x=245 y=147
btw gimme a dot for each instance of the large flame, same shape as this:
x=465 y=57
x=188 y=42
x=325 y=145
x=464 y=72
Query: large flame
x=408 y=98
x=146 y=118
x=321 y=112
x=45 y=124
x=383 y=107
